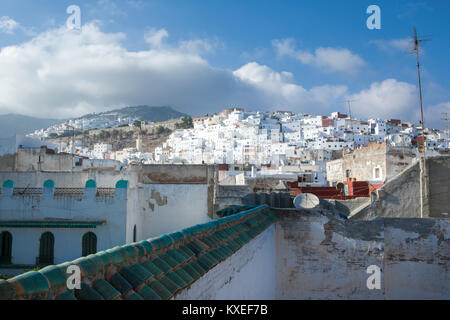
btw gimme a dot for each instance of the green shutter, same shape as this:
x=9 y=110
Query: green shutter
x=46 y=248
x=89 y=244
x=5 y=247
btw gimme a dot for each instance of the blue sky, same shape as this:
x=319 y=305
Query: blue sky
x=201 y=56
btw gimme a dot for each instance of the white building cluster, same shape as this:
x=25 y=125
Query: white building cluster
x=103 y=121
x=279 y=138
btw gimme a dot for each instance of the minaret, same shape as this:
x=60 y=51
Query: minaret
x=139 y=143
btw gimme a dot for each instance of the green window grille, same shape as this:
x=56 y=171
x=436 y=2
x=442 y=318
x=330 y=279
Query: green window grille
x=46 y=249
x=89 y=244
x=5 y=247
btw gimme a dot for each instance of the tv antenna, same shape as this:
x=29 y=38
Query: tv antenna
x=445 y=117
x=416 y=49
x=348 y=102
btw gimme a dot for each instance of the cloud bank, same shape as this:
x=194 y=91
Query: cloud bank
x=327 y=59
x=66 y=73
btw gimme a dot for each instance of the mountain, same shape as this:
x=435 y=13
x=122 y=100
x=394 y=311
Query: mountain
x=148 y=113
x=12 y=124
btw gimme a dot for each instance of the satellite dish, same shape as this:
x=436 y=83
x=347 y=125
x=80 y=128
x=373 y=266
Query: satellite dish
x=306 y=201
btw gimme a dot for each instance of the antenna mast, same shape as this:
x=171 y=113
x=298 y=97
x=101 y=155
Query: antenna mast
x=446 y=119
x=423 y=189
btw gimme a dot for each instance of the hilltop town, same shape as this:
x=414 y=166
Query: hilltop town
x=270 y=142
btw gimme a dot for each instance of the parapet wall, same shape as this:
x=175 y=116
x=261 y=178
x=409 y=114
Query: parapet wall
x=401 y=196
x=320 y=256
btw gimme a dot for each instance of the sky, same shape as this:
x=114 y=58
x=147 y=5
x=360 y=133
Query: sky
x=201 y=56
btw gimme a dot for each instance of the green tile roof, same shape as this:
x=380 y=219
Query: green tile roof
x=152 y=269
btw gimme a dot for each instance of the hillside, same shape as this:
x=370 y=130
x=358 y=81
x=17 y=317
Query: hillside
x=148 y=113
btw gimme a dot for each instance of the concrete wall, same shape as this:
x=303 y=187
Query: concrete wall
x=362 y=163
x=181 y=174
x=439 y=187
x=401 y=196
x=314 y=255
x=248 y=274
x=323 y=257
x=156 y=209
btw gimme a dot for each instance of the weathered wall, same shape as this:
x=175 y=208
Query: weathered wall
x=181 y=174
x=346 y=207
x=314 y=255
x=362 y=162
x=35 y=159
x=324 y=257
x=400 y=197
x=439 y=187
x=248 y=274
x=157 y=209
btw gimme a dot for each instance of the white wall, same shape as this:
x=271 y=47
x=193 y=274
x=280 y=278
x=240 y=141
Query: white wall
x=249 y=274
x=156 y=209
x=67 y=240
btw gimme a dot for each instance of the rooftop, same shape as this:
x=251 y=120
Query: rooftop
x=153 y=269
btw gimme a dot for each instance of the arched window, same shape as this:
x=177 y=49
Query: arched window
x=134 y=234
x=46 y=248
x=5 y=247
x=89 y=244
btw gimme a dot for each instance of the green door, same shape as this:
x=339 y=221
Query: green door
x=5 y=247
x=46 y=248
x=89 y=244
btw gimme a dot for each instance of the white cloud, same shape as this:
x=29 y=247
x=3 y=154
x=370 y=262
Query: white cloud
x=156 y=37
x=200 y=46
x=386 y=99
x=8 y=25
x=65 y=73
x=403 y=44
x=327 y=59
x=280 y=90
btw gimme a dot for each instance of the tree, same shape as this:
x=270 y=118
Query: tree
x=186 y=123
x=160 y=130
x=137 y=123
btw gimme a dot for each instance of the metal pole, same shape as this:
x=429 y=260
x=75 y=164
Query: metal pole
x=423 y=175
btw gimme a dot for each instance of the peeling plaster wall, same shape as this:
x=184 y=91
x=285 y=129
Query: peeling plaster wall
x=156 y=209
x=249 y=274
x=439 y=186
x=313 y=255
x=323 y=257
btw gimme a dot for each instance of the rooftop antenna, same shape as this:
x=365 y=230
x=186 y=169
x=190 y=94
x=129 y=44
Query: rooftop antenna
x=349 y=112
x=416 y=49
x=349 y=106
x=446 y=119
